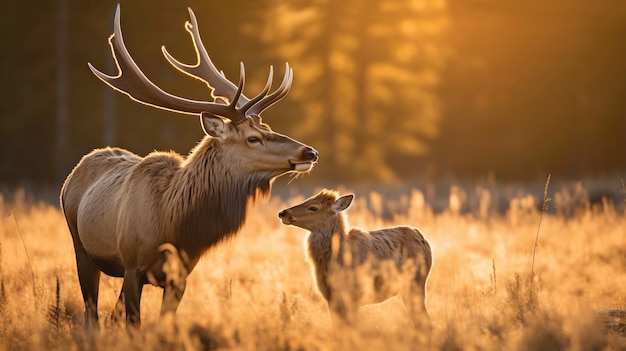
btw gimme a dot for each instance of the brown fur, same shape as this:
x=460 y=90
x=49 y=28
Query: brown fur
x=121 y=208
x=149 y=219
x=352 y=266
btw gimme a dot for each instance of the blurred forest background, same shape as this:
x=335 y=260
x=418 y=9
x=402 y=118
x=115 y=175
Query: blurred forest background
x=387 y=91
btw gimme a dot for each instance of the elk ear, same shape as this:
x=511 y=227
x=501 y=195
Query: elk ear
x=343 y=203
x=213 y=125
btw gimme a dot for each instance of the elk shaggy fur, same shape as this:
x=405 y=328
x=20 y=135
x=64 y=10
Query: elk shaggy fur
x=192 y=202
x=352 y=266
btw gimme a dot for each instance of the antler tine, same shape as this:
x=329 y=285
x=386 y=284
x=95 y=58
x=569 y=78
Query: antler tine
x=204 y=69
x=262 y=94
x=242 y=82
x=131 y=81
x=278 y=94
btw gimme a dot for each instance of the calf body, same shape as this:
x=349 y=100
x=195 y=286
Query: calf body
x=354 y=267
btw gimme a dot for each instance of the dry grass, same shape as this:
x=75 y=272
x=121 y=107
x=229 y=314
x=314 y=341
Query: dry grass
x=255 y=292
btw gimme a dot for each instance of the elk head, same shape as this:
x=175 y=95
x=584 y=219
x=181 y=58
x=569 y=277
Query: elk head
x=317 y=212
x=231 y=118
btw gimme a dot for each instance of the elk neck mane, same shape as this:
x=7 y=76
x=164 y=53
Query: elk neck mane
x=209 y=197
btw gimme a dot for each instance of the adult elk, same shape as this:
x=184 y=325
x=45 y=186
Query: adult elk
x=130 y=215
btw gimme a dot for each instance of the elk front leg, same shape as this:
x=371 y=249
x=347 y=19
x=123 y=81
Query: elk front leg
x=132 y=289
x=340 y=315
x=172 y=294
x=170 y=272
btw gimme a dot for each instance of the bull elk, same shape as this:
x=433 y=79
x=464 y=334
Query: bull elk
x=129 y=215
x=354 y=267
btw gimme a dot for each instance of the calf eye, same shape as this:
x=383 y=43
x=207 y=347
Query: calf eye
x=313 y=209
x=253 y=140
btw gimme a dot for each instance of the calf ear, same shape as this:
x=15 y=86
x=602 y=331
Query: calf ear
x=213 y=125
x=343 y=203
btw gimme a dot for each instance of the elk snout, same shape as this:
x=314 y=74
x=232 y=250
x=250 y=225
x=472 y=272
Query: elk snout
x=285 y=217
x=310 y=154
x=306 y=160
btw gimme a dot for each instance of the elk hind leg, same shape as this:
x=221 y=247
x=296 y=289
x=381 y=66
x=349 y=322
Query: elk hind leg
x=416 y=309
x=89 y=279
x=414 y=299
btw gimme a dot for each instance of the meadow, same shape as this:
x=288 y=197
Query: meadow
x=490 y=288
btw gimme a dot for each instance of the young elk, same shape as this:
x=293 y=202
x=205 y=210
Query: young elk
x=353 y=267
x=137 y=217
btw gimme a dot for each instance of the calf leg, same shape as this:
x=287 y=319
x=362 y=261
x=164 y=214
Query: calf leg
x=416 y=309
x=342 y=312
x=414 y=299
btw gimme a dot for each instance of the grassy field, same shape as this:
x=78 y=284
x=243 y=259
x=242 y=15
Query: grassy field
x=255 y=292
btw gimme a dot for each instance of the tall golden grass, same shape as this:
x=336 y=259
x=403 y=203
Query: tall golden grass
x=255 y=292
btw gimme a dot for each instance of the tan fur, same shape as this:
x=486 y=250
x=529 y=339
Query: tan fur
x=121 y=208
x=149 y=219
x=353 y=267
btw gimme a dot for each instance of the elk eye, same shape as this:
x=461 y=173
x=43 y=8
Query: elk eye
x=253 y=140
x=313 y=209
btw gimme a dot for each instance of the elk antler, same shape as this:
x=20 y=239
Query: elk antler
x=131 y=81
x=206 y=71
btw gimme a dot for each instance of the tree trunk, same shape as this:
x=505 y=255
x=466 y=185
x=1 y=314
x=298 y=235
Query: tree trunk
x=62 y=77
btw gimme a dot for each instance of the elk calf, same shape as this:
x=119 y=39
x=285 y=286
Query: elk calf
x=354 y=267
